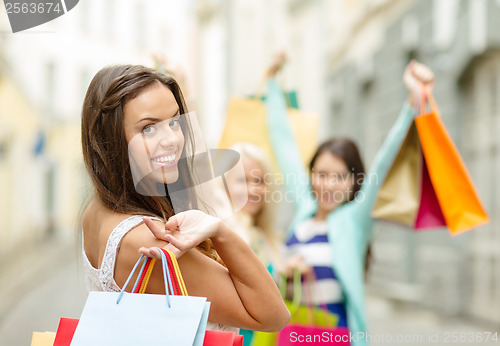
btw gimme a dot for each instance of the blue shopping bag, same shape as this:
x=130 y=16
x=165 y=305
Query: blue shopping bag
x=121 y=318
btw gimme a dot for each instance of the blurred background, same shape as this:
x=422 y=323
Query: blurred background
x=346 y=59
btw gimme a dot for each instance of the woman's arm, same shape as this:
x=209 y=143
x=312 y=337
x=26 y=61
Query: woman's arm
x=416 y=75
x=244 y=295
x=382 y=162
x=286 y=152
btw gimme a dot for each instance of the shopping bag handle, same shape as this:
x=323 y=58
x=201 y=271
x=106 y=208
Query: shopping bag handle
x=298 y=289
x=166 y=277
x=312 y=296
x=426 y=97
x=176 y=275
x=297 y=286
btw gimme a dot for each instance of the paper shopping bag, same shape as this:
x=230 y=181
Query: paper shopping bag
x=440 y=191
x=121 y=318
x=308 y=314
x=399 y=196
x=429 y=213
x=454 y=188
x=222 y=338
x=65 y=331
x=246 y=122
x=43 y=338
x=300 y=315
x=178 y=288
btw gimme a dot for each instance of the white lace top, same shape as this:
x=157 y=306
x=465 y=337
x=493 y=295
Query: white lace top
x=102 y=279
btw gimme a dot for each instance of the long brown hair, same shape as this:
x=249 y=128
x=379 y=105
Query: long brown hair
x=346 y=150
x=104 y=145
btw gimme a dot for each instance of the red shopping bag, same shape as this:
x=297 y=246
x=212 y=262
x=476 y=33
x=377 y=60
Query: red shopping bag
x=67 y=327
x=222 y=338
x=65 y=331
x=429 y=212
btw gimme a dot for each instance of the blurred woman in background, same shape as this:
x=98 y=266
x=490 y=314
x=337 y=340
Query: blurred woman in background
x=331 y=230
x=255 y=222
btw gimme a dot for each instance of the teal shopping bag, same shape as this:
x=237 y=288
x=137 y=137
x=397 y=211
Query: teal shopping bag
x=121 y=318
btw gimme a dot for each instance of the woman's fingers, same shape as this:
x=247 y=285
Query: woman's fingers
x=177 y=253
x=423 y=74
x=417 y=75
x=172 y=223
x=157 y=231
x=180 y=241
x=151 y=252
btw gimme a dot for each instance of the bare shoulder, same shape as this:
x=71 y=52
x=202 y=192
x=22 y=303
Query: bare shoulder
x=128 y=253
x=98 y=222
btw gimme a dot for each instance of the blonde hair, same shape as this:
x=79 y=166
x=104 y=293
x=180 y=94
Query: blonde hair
x=265 y=219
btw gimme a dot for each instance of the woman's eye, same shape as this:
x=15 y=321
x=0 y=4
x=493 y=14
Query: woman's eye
x=175 y=123
x=150 y=129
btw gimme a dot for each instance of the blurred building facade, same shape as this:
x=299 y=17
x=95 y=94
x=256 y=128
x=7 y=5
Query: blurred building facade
x=346 y=62
x=44 y=74
x=460 y=41
x=237 y=41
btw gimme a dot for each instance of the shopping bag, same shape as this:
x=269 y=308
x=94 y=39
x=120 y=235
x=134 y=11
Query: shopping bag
x=121 y=318
x=246 y=122
x=454 y=187
x=407 y=195
x=222 y=338
x=43 y=338
x=219 y=338
x=429 y=213
x=428 y=185
x=65 y=331
x=399 y=197
x=310 y=314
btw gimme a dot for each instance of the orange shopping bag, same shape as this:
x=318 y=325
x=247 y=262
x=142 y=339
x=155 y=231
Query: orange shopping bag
x=452 y=183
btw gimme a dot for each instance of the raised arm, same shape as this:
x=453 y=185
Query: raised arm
x=414 y=77
x=285 y=148
x=383 y=161
x=243 y=294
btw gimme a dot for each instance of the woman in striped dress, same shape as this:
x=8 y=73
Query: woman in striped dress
x=332 y=226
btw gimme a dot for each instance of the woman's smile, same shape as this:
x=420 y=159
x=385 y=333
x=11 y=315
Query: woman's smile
x=166 y=159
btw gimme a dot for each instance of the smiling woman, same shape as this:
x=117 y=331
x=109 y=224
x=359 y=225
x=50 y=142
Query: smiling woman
x=155 y=137
x=138 y=146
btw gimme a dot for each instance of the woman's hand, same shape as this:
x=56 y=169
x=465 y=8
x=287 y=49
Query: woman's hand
x=183 y=232
x=416 y=77
x=295 y=263
x=243 y=293
x=279 y=61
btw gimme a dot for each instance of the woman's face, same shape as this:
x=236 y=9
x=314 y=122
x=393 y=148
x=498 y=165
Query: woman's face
x=256 y=186
x=154 y=135
x=332 y=183
x=251 y=185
